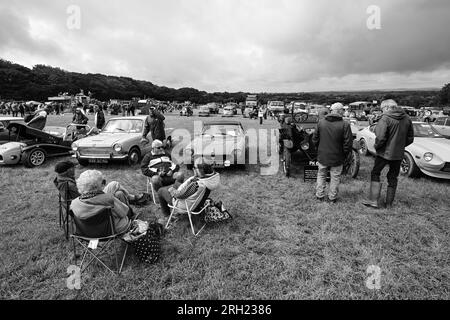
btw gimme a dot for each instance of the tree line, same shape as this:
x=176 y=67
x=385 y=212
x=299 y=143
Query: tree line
x=21 y=83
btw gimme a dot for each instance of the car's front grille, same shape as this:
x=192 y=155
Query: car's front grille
x=446 y=167
x=95 y=151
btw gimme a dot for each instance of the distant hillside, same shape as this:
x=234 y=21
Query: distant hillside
x=40 y=82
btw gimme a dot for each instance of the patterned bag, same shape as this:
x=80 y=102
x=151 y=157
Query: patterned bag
x=216 y=212
x=148 y=247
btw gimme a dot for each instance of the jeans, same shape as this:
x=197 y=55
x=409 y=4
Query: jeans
x=392 y=175
x=335 y=174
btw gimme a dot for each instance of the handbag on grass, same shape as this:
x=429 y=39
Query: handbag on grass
x=215 y=212
x=147 y=245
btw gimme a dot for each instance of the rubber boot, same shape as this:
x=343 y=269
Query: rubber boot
x=390 y=195
x=374 y=195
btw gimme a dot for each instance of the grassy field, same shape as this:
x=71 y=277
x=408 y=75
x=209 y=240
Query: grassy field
x=282 y=244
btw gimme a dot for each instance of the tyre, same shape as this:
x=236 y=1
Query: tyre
x=134 y=156
x=286 y=162
x=35 y=158
x=364 y=150
x=408 y=167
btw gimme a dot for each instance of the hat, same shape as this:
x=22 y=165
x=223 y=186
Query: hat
x=62 y=167
x=337 y=106
x=157 y=143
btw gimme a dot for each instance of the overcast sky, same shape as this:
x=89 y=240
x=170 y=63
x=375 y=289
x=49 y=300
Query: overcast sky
x=237 y=45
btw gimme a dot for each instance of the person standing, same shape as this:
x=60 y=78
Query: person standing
x=334 y=140
x=22 y=109
x=261 y=115
x=155 y=125
x=394 y=132
x=99 y=117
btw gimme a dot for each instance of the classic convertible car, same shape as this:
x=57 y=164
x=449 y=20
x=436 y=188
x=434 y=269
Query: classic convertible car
x=31 y=146
x=429 y=154
x=220 y=143
x=120 y=139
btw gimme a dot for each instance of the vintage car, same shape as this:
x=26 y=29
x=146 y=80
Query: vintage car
x=220 y=143
x=213 y=108
x=119 y=140
x=4 y=132
x=430 y=115
x=442 y=124
x=31 y=146
x=186 y=111
x=204 y=111
x=429 y=153
x=228 y=111
x=250 y=112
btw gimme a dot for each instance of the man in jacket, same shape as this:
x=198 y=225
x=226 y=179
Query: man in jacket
x=155 y=125
x=99 y=117
x=334 y=139
x=394 y=132
x=157 y=165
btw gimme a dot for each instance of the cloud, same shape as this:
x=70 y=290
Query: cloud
x=234 y=45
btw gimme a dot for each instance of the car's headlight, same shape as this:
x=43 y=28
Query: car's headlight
x=74 y=147
x=117 y=147
x=428 y=156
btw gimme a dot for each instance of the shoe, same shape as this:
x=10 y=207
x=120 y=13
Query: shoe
x=333 y=201
x=141 y=200
x=321 y=199
x=374 y=195
x=390 y=195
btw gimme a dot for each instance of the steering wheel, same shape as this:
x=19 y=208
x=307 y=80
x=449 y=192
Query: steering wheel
x=301 y=117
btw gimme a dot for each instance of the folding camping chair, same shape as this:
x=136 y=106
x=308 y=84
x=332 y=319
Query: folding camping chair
x=98 y=229
x=191 y=211
x=64 y=205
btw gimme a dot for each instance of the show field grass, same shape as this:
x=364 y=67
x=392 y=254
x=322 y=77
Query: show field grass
x=281 y=244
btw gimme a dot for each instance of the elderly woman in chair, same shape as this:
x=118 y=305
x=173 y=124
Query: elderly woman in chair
x=194 y=190
x=96 y=196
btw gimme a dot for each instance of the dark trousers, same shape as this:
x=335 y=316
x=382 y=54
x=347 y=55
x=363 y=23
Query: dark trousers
x=394 y=170
x=165 y=198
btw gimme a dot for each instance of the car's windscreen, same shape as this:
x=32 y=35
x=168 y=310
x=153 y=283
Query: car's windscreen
x=124 y=125
x=425 y=131
x=222 y=130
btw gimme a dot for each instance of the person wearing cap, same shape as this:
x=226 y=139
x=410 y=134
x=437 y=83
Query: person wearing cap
x=65 y=181
x=394 y=131
x=158 y=165
x=334 y=140
x=154 y=124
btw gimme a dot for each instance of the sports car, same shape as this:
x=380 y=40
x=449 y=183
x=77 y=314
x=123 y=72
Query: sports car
x=220 y=143
x=31 y=146
x=119 y=140
x=4 y=132
x=428 y=154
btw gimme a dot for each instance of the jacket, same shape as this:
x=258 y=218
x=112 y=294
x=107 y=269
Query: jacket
x=394 y=132
x=155 y=126
x=66 y=185
x=99 y=119
x=87 y=208
x=334 y=139
x=194 y=189
x=79 y=118
x=154 y=164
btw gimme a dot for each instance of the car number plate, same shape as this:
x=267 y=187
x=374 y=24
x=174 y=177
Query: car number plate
x=98 y=161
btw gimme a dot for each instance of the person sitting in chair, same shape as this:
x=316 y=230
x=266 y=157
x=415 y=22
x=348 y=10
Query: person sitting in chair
x=65 y=181
x=93 y=199
x=194 y=190
x=158 y=165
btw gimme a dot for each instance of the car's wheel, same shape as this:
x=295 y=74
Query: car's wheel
x=408 y=167
x=35 y=158
x=363 y=150
x=83 y=162
x=286 y=162
x=134 y=156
